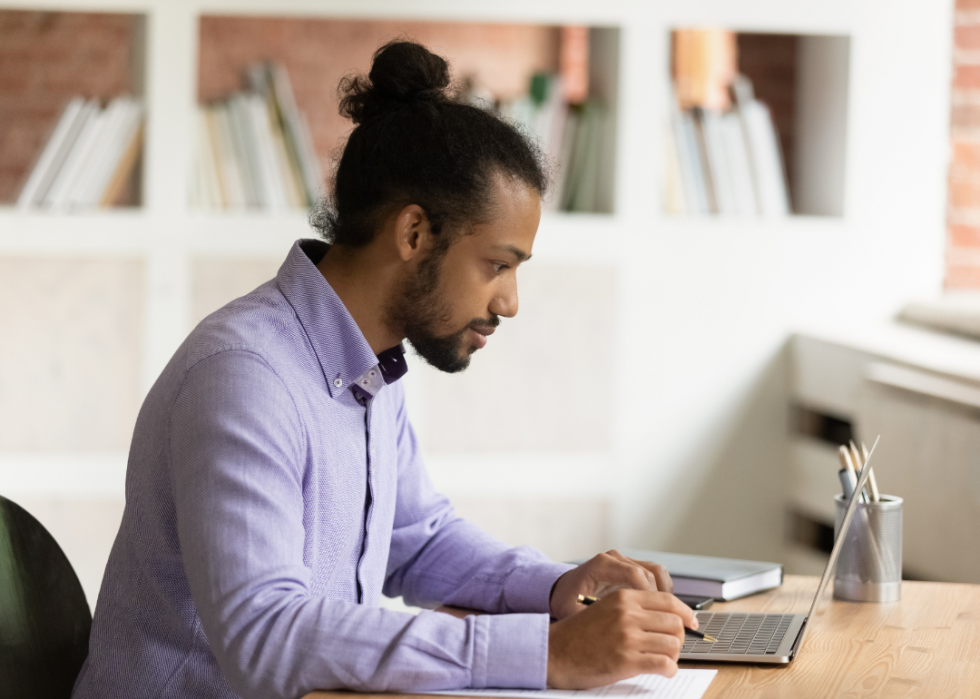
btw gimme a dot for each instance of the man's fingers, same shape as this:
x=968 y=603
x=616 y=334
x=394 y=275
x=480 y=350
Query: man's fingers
x=663 y=643
x=619 y=570
x=658 y=623
x=660 y=575
x=655 y=664
x=657 y=577
x=666 y=602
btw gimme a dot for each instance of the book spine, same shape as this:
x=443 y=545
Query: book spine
x=61 y=189
x=239 y=123
x=738 y=162
x=125 y=163
x=714 y=141
x=267 y=169
x=44 y=170
x=210 y=181
x=116 y=140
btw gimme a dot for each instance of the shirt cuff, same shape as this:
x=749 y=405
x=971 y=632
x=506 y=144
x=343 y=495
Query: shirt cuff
x=511 y=650
x=528 y=587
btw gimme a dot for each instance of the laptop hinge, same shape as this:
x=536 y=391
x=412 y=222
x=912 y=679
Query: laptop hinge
x=799 y=634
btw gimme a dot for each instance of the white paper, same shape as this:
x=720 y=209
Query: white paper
x=686 y=684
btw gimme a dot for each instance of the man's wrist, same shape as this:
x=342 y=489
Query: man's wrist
x=551 y=595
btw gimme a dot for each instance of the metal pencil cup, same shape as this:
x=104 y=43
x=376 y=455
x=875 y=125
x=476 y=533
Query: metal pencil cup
x=869 y=567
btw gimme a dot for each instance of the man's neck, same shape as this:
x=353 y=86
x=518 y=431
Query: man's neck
x=363 y=285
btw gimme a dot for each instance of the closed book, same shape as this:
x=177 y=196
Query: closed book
x=708 y=576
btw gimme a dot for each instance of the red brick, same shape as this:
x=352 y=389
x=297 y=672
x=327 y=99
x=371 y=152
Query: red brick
x=967 y=37
x=966 y=156
x=964 y=236
x=966 y=77
x=964 y=194
x=962 y=277
x=965 y=116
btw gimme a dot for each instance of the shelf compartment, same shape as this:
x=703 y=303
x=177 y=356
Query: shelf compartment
x=801 y=79
x=497 y=60
x=48 y=58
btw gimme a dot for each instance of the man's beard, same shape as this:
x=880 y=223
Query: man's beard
x=420 y=309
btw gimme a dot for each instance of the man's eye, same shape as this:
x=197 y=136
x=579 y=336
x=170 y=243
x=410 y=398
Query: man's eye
x=497 y=266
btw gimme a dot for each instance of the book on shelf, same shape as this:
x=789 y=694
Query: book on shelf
x=723 y=155
x=727 y=163
x=570 y=137
x=89 y=157
x=254 y=149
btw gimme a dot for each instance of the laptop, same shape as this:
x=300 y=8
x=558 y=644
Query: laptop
x=766 y=638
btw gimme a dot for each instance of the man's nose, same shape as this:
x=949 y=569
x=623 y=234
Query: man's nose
x=505 y=301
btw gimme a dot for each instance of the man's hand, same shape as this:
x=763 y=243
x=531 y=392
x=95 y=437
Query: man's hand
x=626 y=633
x=602 y=575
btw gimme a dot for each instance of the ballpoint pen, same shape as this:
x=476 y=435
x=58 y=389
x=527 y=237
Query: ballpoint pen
x=589 y=599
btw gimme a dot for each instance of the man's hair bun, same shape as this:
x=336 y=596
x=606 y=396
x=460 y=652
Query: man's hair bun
x=402 y=73
x=416 y=140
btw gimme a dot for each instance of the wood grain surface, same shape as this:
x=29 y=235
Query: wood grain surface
x=927 y=645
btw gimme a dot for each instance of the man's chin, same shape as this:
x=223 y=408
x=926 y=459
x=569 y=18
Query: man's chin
x=450 y=361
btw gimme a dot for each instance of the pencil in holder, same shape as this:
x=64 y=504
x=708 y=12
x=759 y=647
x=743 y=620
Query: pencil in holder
x=869 y=566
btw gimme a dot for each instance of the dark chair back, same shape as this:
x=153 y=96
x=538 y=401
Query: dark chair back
x=44 y=618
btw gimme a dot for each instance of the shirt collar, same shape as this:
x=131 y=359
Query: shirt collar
x=340 y=347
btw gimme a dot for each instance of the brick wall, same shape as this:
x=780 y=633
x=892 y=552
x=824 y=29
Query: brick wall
x=46 y=58
x=963 y=206
x=317 y=53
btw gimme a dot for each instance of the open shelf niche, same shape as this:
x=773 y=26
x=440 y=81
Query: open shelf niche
x=46 y=60
x=758 y=124
x=515 y=67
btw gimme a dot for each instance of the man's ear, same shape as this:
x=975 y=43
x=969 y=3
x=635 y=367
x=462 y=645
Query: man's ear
x=411 y=232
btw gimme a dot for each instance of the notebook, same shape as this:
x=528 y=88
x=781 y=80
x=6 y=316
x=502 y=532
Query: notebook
x=706 y=576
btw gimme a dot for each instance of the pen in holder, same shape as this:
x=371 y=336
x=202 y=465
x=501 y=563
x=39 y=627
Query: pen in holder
x=869 y=567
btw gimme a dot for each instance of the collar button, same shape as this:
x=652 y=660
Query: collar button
x=338 y=382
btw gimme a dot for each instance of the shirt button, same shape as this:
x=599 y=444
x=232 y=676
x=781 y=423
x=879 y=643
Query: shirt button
x=371 y=374
x=338 y=382
x=365 y=382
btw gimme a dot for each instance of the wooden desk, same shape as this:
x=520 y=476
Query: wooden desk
x=927 y=645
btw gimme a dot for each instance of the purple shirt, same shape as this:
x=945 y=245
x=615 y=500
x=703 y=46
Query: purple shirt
x=268 y=506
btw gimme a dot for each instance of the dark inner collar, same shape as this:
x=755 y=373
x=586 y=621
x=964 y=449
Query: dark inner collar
x=392 y=363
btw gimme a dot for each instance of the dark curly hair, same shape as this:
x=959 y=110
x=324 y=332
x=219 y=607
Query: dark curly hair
x=417 y=142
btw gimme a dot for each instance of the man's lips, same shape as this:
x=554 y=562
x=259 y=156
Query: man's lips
x=480 y=335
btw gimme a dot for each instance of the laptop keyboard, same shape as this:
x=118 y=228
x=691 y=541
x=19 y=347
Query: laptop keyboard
x=739 y=634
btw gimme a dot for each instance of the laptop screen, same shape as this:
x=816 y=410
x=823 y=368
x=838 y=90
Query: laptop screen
x=845 y=523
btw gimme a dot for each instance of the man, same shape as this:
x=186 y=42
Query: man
x=275 y=489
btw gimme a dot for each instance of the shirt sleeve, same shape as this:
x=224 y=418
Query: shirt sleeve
x=237 y=453
x=438 y=558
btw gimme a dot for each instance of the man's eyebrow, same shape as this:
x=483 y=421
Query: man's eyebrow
x=515 y=251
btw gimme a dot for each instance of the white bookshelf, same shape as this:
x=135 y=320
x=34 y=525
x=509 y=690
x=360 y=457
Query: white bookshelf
x=703 y=305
